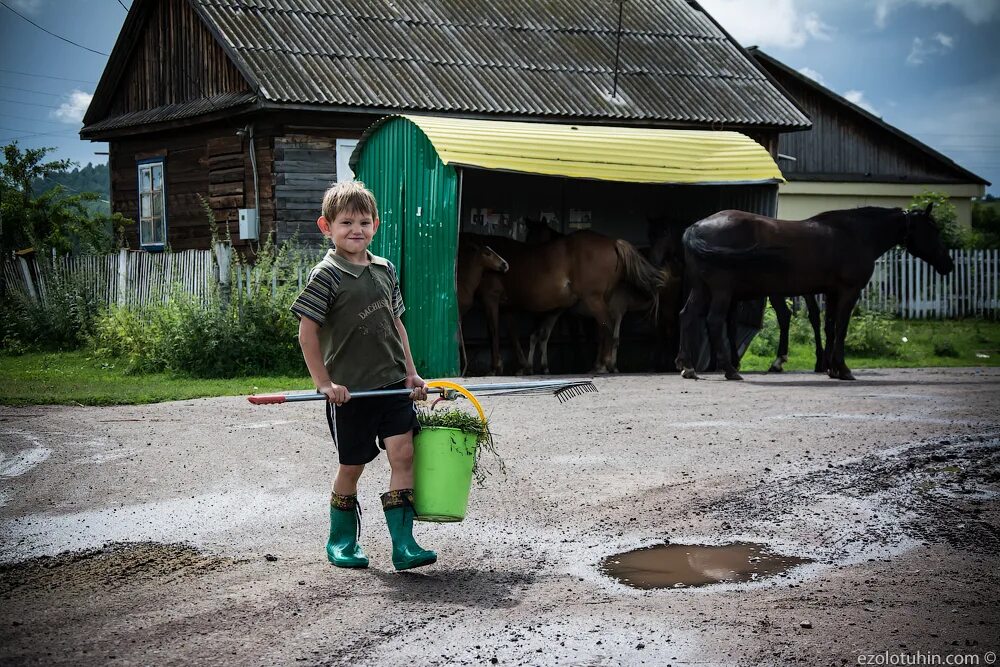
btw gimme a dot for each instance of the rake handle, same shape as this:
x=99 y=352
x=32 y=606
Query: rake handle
x=268 y=399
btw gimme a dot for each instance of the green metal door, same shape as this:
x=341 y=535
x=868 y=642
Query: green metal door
x=418 y=206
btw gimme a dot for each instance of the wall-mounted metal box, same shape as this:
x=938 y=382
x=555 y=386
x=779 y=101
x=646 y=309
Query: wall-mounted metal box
x=249 y=229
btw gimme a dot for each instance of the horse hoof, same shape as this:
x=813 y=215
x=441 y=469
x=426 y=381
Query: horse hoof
x=846 y=375
x=819 y=369
x=689 y=374
x=775 y=368
x=733 y=375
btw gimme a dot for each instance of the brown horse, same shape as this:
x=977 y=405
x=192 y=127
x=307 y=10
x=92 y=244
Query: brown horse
x=474 y=259
x=624 y=299
x=735 y=255
x=582 y=270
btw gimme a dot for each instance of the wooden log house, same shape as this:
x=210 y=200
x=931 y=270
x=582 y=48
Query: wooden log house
x=192 y=84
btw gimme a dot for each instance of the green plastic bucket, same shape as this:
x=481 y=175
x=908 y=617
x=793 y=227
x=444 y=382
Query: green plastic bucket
x=442 y=473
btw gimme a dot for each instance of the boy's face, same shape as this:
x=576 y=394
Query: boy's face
x=351 y=231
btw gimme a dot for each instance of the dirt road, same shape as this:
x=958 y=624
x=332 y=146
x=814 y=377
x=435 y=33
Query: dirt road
x=193 y=532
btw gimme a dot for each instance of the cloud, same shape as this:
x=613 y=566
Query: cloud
x=858 y=97
x=28 y=6
x=975 y=11
x=72 y=111
x=767 y=23
x=812 y=74
x=935 y=45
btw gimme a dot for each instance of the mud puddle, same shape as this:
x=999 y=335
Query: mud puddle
x=684 y=565
x=115 y=565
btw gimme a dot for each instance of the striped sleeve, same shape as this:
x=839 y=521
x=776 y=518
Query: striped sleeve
x=316 y=298
x=397 y=296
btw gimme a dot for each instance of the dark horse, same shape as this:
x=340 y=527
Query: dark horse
x=583 y=270
x=474 y=259
x=734 y=255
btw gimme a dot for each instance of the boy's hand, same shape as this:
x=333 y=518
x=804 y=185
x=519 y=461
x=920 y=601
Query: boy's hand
x=419 y=387
x=336 y=393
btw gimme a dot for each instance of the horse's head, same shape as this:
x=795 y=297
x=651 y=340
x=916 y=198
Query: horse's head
x=491 y=260
x=922 y=239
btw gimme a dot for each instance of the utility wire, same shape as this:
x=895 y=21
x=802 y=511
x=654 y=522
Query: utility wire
x=49 y=32
x=30 y=104
x=44 y=76
x=34 y=120
x=51 y=134
x=29 y=90
x=123 y=5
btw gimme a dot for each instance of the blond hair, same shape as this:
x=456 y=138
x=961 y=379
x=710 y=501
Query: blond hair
x=348 y=196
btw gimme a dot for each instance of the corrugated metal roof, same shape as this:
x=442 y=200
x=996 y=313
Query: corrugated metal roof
x=600 y=152
x=546 y=58
x=197 y=107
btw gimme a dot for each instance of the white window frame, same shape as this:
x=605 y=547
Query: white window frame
x=344 y=149
x=152 y=204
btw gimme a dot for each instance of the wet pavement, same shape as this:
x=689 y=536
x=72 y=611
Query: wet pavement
x=193 y=531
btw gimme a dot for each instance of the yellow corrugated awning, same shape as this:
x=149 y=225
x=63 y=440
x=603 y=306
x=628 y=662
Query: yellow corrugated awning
x=626 y=154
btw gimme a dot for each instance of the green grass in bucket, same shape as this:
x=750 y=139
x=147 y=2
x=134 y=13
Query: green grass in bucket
x=468 y=423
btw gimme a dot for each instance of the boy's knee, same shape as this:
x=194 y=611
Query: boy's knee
x=400 y=452
x=350 y=472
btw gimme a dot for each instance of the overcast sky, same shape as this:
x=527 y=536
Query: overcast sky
x=929 y=67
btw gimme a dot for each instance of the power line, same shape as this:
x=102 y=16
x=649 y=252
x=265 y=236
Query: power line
x=34 y=120
x=44 y=76
x=30 y=104
x=29 y=90
x=51 y=134
x=123 y=5
x=49 y=32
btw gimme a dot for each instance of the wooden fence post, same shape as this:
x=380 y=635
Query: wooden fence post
x=223 y=255
x=29 y=284
x=122 y=277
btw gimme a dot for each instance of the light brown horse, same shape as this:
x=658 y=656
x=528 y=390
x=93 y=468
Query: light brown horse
x=583 y=270
x=474 y=259
x=623 y=299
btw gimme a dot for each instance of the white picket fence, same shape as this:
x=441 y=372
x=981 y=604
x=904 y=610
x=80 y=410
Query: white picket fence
x=911 y=289
x=901 y=284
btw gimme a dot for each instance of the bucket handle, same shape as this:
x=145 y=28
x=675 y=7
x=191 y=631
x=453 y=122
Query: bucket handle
x=445 y=384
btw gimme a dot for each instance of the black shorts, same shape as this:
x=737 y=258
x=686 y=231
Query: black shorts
x=357 y=424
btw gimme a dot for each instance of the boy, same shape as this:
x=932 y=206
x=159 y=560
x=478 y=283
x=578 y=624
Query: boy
x=351 y=337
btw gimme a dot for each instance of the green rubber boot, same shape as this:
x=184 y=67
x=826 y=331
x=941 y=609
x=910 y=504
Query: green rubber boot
x=406 y=553
x=342 y=548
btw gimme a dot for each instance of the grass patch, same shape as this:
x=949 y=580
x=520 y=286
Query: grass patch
x=928 y=344
x=80 y=378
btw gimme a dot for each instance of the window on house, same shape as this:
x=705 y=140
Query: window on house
x=152 y=213
x=344 y=149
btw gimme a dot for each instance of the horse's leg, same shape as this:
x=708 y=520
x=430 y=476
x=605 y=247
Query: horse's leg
x=845 y=306
x=830 y=327
x=734 y=353
x=689 y=331
x=813 y=307
x=784 y=317
x=463 y=361
x=598 y=308
x=544 y=332
x=492 y=308
x=718 y=313
x=615 y=339
x=524 y=366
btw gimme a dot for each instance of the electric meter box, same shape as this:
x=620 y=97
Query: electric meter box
x=249 y=229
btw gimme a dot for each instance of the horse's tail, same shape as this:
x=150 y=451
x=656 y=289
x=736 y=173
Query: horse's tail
x=715 y=254
x=641 y=274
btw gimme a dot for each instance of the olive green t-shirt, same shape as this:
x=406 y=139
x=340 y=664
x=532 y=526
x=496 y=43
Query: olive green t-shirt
x=355 y=307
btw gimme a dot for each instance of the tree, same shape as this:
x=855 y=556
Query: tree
x=945 y=215
x=55 y=218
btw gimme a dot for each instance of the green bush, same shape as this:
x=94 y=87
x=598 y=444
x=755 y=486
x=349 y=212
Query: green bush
x=765 y=343
x=945 y=348
x=871 y=334
x=62 y=320
x=245 y=333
